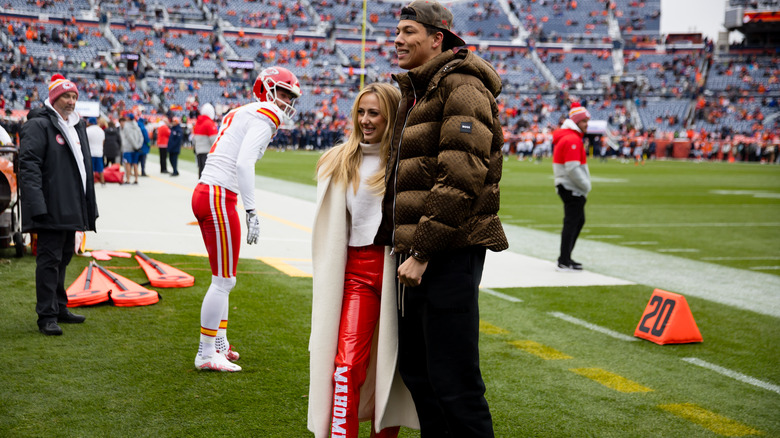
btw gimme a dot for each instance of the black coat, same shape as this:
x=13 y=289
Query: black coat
x=53 y=197
x=176 y=139
x=112 y=146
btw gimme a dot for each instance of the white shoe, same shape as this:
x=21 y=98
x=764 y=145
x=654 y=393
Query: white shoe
x=230 y=354
x=215 y=362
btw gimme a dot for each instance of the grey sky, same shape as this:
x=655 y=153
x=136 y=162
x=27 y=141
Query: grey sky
x=704 y=16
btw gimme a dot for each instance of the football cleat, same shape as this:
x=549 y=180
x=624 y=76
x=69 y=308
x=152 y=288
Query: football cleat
x=215 y=362
x=230 y=354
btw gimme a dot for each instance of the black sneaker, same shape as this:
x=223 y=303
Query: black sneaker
x=51 y=329
x=576 y=266
x=563 y=267
x=71 y=318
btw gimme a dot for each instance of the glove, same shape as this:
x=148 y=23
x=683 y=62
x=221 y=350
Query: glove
x=252 y=227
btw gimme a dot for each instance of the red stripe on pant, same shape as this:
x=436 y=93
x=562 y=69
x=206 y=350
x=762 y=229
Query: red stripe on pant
x=359 y=315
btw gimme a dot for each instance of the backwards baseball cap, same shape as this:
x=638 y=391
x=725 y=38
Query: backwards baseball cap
x=433 y=14
x=59 y=86
x=578 y=113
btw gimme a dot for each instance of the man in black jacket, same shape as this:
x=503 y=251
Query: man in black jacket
x=58 y=196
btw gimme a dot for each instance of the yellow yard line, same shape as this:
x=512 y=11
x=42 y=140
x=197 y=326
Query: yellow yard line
x=610 y=380
x=489 y=329
x=282 y=265
x=710 y=420
x=540 y=350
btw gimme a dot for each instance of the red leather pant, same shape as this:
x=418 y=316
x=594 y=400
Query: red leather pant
x=359 y=315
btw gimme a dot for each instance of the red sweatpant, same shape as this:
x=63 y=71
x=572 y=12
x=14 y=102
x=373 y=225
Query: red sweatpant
x=359 y=316
x=215 y=209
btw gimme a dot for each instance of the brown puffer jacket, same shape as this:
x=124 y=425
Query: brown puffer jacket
x=445 y=160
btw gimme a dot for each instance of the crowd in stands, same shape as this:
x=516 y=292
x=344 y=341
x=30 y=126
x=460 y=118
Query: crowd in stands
x=671 y=75
x=715 y=98
x=564 y=20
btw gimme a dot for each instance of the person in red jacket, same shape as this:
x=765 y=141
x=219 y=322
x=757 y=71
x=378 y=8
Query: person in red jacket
x=204 y=133
x=572 y=180
x=163 y=133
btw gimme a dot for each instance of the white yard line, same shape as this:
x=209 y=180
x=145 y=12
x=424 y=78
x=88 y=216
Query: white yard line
x=162 y=206
x=741 y=288
x=500 y=295
x=733 y=374
x=679 y=225
x=594 y=327
x=739 y=258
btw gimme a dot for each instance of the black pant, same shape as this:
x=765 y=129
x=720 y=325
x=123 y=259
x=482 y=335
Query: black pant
x=107 y=161
x=55 y=249
x=163 y=160
x=142 y=162
x=573 y=221
x=438 y=342
x=174 y=157
x=201 y=162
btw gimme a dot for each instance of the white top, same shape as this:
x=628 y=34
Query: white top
x=242 y=140
x=365 y=206
x=96 y=138
x=68 y=127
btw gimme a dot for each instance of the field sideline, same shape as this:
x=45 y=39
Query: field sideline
x=558 y=361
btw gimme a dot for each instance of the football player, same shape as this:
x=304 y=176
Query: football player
x=242 y=139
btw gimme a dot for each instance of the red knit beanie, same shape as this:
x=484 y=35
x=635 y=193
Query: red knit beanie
x=578 y=113
x=59 y=86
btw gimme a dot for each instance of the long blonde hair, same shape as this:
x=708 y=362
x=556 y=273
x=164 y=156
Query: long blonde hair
x=342 y=162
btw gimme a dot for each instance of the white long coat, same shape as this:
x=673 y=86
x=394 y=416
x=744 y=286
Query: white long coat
x=383 y=396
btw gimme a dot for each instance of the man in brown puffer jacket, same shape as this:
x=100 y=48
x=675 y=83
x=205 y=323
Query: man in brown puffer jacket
x=440 y=215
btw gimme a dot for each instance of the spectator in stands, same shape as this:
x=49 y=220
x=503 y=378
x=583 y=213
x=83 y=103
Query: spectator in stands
x=132 y=141
x=175 y=141
x=203 y=135
x=96 y=137
x=163 y=133
x=440 y=215
x=58 y=196
x=112 y=146
x=572 y=181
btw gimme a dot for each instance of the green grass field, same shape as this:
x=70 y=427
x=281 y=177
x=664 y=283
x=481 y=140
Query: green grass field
x=724 y=213
x=128 y=371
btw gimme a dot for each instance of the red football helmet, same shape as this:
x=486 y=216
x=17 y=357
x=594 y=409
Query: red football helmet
x=271 y=78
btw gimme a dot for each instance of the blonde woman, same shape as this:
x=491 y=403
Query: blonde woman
x=353 y=342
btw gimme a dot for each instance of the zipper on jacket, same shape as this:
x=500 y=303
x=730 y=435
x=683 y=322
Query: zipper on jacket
x=398 y=163
x=400 y=288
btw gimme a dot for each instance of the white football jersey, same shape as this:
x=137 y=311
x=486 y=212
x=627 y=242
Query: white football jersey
x=242 y=139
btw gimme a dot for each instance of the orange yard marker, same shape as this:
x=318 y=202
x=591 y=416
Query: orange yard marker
x=127 y=293
x=162 y=275
x=88 y=289
x=667 y=319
